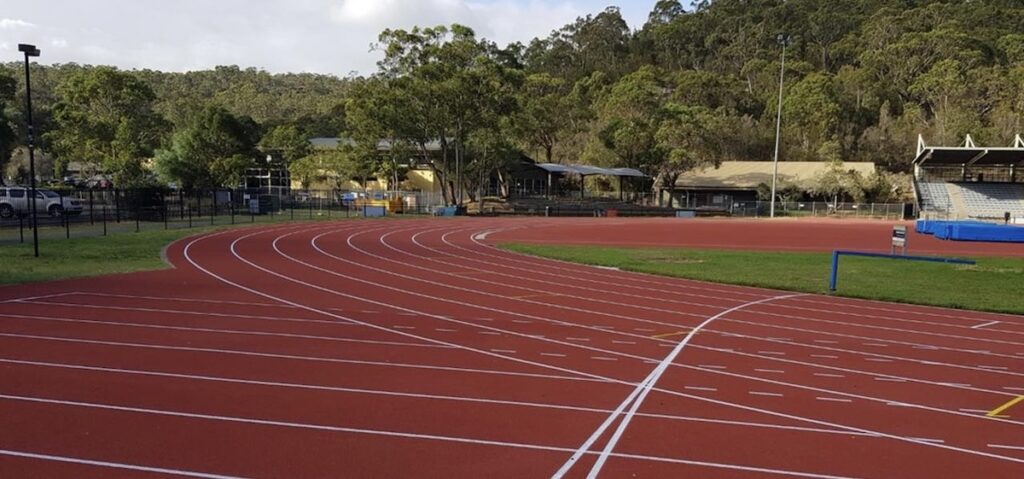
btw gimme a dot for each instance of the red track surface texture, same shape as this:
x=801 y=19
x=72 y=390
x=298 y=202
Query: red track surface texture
x=416 y=349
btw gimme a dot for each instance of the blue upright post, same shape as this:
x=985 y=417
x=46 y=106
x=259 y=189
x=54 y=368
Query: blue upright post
x=834 y=279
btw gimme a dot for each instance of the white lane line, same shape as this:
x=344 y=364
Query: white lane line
x=216 y=331
x=997 y=368
x=489 y=333
x=772 y=371
x=577 y=339
x=645 y=330
x=925 y=347
x=399 y=326
x=711 y=366
x=300 y=386
x=373 y=432
x=342 y=322
x=700 y=388
x=113 y=465
x=824 y=356
x=33 y=298
x=603 y=358
x=504 y=351
x=878 y=360
x=445 y=330
x=975 y=411
x=637 y=396
x=826 y=341
x=370 y=312
x=829 y=375
x=762 y=393
x=591 y=376
x=1003 y=446
x=985 y=325
x=772 y=353
x=823 y=398
x=925 y=439
x=892 y=380
x=616 y=341
x=876 y=345
x=553 y=355
x=484 y=319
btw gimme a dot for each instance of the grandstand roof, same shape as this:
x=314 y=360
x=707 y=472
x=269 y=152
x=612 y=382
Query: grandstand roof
x=587 y=170
x=969 y=154
x=746 y=175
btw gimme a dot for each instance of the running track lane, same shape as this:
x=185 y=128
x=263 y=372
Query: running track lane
x=325 y=348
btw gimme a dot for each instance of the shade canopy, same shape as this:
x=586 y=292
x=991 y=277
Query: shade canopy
x=586 y=170
x=970 y=154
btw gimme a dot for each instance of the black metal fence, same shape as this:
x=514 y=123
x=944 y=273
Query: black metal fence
x=84 y=213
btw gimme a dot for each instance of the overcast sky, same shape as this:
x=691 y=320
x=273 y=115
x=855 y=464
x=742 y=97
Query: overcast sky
x=324 y=36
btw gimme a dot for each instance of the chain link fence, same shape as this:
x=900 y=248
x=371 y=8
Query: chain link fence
x=85 y=213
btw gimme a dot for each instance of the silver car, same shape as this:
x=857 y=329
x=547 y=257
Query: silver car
x=14 y=200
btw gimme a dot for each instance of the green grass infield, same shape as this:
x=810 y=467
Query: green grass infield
x=994 y=284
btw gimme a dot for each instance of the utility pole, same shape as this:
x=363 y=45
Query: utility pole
x=31 y=51
x=783 y=40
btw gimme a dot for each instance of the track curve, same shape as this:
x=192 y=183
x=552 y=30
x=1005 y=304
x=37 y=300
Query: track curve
x=399 y=348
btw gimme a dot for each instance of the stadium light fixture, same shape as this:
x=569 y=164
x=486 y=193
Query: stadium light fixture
x=31 y=51
x=783 y=40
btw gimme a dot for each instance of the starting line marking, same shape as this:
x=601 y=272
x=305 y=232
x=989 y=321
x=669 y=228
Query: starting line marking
x=997 y=411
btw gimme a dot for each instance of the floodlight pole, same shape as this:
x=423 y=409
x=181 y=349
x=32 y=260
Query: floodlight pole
x=784 y=41
x=31 y=51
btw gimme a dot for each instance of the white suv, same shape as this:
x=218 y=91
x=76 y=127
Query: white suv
x=14 y=200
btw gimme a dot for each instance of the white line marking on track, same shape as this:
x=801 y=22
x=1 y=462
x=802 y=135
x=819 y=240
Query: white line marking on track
x=700 y=388
x=711 y=366
x=489 y=333
x=822 y=398
x=997 y=368
x=446 y=330
x=577 y=339
x=762 y=393
x=878 y=360
x=773 y=371
x=892 y=380
x=553 y=355
x=975 y=411
x=985 y=325
x=824 y=356
x=1002 y=446
x=504 y=351
x=772 y=353
x=602 y=358
x=113 y=465
x=373 y=432
x=637 y=396
x=829 y=375
x=616 y=341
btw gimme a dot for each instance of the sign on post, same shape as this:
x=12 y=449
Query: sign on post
x=899 y=239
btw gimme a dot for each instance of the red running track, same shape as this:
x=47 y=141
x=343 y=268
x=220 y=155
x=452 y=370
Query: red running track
x=417 y=349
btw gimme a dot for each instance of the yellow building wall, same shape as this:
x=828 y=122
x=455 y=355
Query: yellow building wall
x=415 y=180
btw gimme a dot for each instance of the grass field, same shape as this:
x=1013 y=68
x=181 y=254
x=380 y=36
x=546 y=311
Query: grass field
x=993 y=285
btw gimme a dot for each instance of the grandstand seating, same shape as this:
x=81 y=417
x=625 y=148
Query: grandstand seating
x=992 y=200
x=934 y=197
x=971 y=200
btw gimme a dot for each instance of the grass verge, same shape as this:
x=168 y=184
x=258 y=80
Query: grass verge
x=993 y=285
x=124 y=252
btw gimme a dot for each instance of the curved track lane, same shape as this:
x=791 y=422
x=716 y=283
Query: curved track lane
x=417 y=348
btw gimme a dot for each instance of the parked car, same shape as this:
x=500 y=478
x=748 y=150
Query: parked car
x=14 y=200
x=99 y=182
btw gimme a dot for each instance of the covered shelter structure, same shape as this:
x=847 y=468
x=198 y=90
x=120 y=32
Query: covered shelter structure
x=969 y=162
x=583 y=171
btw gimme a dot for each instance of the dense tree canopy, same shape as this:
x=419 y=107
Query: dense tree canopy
x=693 y=85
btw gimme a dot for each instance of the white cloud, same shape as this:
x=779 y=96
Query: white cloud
x=327 y=36
x=13 y=24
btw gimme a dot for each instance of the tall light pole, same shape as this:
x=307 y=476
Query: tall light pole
x=783 y=40
x=31 y=51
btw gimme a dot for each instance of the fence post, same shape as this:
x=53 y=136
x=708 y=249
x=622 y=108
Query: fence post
x=167 y=226
x=92 y=220
x=310 y=199
x=104 y=220
x=117 y=206
x=190 y=216
x=21 y=228
x=181 y=204
x=231 y=198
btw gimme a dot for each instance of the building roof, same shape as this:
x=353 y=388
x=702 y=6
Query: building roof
x=746 y=175
x=383 y=145
x=587 y=170
x=969 y=154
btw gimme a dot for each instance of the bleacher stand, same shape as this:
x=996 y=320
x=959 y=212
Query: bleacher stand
x=970 y=181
